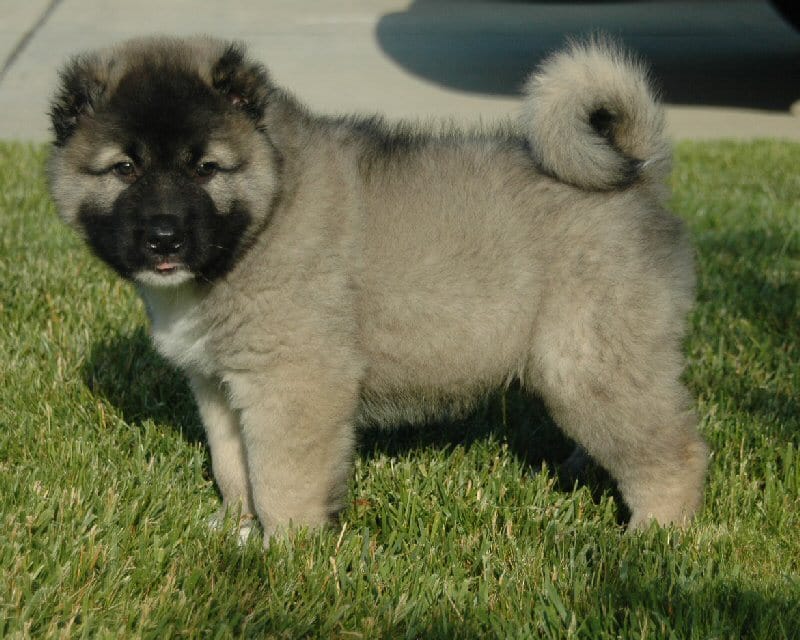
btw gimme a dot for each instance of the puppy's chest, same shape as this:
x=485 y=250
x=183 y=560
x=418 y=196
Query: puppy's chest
x=180 y=330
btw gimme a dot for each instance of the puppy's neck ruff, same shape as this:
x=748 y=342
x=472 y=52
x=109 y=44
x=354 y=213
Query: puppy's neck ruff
x=178 y=325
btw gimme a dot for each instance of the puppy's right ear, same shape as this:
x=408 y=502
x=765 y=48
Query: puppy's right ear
x=80 y=91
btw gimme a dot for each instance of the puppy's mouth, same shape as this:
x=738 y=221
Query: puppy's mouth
x=165 y=272
x=166 y=267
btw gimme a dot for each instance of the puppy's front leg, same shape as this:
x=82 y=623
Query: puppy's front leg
x=298 y=433
x=228 y=460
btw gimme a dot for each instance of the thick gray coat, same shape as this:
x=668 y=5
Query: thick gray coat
x=393 y=275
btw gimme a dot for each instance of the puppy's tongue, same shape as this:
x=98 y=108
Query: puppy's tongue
x=166 y=266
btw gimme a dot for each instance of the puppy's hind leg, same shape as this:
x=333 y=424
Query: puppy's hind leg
x=633 y=418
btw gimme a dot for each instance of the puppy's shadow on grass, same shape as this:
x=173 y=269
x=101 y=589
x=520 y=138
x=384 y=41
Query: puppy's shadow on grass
x=128 y=373
x=737 y=284
x=513 y=417
x=133 y=378
x=736 y=264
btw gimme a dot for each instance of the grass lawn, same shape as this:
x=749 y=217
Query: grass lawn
x=105 y=481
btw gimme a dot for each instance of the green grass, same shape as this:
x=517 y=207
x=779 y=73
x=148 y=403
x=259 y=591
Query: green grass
x=105 y=481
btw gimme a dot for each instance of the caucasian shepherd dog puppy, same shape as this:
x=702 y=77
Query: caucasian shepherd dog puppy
x=312 y=273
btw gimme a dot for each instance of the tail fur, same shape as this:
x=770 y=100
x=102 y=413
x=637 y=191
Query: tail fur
x=592 y=119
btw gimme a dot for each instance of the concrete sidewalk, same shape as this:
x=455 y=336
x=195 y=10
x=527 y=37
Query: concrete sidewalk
x=728 y=68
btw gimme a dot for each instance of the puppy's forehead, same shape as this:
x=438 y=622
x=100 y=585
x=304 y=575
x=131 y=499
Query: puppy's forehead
x=164 y=113
x=166 y=100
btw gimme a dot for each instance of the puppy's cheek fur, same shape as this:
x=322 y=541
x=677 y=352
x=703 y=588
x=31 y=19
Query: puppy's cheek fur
x=250 y=189
x=110 y=238
x=222 y=189
x=74 y=191
x=244 y=201
x=217 y=242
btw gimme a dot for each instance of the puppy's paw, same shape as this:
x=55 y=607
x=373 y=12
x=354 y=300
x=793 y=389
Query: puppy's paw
x=247 y=523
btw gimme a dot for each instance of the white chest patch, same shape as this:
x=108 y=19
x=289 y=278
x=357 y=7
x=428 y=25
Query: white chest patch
x=178 y=327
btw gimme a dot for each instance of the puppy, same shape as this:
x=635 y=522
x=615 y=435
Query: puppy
x=309 y=273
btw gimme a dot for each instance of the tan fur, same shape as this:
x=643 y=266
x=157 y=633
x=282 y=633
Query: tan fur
x=397 y=284
x=567 y=88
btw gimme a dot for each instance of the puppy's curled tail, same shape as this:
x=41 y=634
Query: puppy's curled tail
x=592 y=120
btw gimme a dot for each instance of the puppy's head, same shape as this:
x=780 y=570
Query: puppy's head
x=160 y=160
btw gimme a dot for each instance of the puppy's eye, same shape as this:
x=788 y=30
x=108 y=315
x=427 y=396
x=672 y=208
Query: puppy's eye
x=205 y=170
x=125 y=171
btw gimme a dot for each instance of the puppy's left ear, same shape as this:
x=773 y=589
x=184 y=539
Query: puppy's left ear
x=81 y=88
x=244 y=83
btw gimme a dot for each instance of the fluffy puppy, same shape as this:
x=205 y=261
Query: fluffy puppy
x=310 y=273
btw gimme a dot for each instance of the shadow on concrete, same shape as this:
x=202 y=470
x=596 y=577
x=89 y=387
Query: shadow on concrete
x=736 y=54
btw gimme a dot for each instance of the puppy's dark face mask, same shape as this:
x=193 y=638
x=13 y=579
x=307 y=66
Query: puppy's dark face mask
x=165 y=229
x=163 y=159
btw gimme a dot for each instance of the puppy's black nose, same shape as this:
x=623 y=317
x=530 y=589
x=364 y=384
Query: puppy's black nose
x=163 y=236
